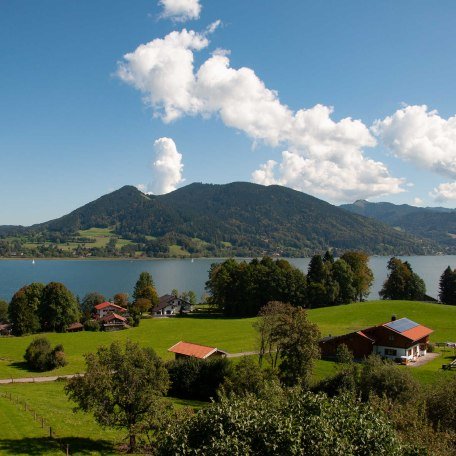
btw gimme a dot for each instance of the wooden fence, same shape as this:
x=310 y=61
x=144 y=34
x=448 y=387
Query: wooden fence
x=39 y=419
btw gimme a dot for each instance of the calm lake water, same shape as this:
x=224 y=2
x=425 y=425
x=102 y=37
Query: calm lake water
x=113 y=276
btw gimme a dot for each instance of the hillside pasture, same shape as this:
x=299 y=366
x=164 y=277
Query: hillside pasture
x=230 y=334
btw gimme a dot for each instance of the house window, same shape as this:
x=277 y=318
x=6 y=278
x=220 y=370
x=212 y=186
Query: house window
x=390 y=337
x=390 y=352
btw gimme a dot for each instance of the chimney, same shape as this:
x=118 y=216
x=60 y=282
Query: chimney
x=393 y=318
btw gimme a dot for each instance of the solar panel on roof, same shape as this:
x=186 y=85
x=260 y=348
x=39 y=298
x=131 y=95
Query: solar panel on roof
x=401 y=325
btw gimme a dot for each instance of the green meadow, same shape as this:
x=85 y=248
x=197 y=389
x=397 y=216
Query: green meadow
x=21 y=434
x=230 y=334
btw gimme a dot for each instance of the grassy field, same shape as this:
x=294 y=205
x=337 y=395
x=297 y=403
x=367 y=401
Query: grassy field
x=232 y=335
x=20 y=434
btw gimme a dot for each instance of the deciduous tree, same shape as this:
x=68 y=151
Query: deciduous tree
x=89 y=302
x=121 y=387
x=23 y=309
x=58 y=307
x=402 y=282
x=363 y=275
x=145 y=289
x=3 y=311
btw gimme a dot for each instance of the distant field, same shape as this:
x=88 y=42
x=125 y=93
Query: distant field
x=232 y=335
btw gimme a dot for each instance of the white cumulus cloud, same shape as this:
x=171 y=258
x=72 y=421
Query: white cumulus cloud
x=167 y=168
x=421 y=137
x=180 y=10
x=444 y=192
x=324 y=157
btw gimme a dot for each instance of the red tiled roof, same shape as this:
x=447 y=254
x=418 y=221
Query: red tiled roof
x=189 y=349
x=364 y=335
x=103 y=305
x=75 y=325
x=418 y=332
x=113 y=316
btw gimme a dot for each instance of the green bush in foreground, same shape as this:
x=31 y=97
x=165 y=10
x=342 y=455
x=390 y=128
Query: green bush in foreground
x=41 y=357
x=288 y=422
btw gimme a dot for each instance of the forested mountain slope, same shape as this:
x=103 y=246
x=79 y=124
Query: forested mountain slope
x=434 y=223
x=238 y=218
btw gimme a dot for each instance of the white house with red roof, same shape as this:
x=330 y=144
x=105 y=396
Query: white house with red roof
x=106 y=308
x=189 y=350
x=401 y=340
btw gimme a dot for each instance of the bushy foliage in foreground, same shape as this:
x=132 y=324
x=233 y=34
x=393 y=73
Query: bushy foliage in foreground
x=199 y=379
x=41 y=357
x=283 y=422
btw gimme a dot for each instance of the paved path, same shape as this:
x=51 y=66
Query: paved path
x=5 y=381
x=237 y=355
x=424 y=359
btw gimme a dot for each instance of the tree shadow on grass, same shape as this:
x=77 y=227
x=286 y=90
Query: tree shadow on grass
x=41 y=445
x=22 y=366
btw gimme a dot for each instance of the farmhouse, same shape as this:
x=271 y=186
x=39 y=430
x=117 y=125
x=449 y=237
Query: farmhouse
x=113 y=322
x=106 y=308
x=400 y=340
x=171 y=305
x=188 y=350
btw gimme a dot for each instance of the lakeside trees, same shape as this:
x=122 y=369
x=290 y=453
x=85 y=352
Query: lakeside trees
x=447 y=287
x=402 y=282
x=242 y=289
x=58 y=307
x=23 y=309
x=144 y=295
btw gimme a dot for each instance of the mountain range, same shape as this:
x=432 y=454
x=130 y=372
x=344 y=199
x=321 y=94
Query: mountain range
x=239 y=218
x=436 y=224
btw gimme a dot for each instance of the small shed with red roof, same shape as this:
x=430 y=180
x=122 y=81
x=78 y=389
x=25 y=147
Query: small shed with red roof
x=188 y=350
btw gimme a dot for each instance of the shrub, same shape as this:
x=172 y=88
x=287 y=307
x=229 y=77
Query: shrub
x=91 y=325
x=384 y=378
x=40 y=356
x=247 y=377
x=193 y=378
x=283 y=423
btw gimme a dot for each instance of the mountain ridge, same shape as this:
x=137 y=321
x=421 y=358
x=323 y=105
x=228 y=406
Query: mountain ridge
x=239 y=218
x=436 y=224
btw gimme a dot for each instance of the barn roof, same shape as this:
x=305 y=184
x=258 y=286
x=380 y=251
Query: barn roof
x=196 y=350
x=408 y=328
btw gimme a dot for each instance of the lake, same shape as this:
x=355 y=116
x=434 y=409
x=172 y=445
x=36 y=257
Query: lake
x=113 y=276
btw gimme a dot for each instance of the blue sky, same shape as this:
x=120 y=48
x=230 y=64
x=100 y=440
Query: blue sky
x=74 y=123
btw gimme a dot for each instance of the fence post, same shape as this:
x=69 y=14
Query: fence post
x=68 y=449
